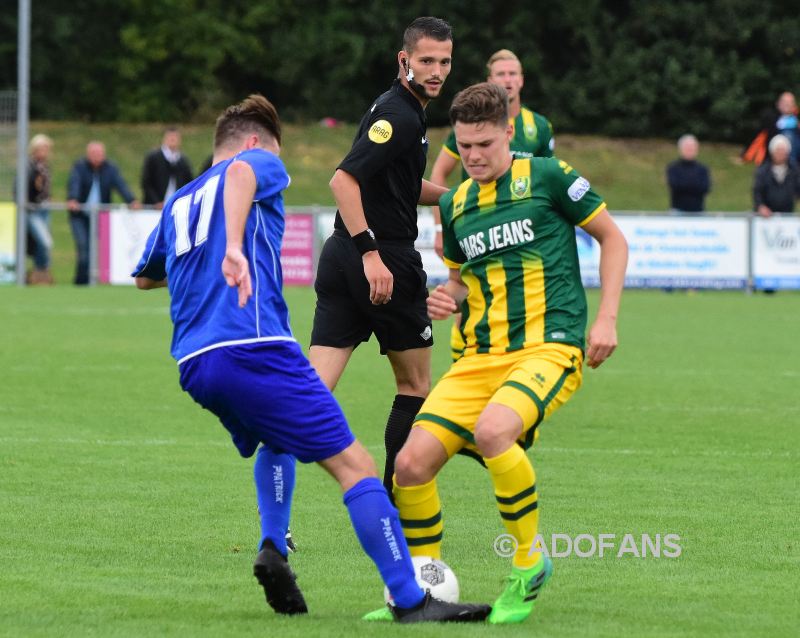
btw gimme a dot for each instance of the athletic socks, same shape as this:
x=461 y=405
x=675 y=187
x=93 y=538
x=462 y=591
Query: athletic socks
x=421 y=518
x=378 y=529
x=274 y=476
x=515 y=490
x=401 y=418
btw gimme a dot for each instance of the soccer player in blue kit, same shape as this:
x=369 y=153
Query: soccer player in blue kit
x=237 y=357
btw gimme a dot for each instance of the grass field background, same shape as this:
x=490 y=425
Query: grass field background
x=127 y=512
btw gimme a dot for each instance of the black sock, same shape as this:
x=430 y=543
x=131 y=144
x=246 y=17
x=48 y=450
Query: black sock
x=404 y=409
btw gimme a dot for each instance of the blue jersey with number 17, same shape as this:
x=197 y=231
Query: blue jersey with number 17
x=188 y=246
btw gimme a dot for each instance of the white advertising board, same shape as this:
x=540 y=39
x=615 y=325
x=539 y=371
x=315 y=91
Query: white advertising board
x=676 y=252
x=775 y=245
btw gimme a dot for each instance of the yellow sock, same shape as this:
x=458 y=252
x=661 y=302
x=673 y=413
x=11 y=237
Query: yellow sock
x=421 y=518
x=515 y=490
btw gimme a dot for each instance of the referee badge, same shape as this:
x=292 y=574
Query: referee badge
x=380 y=132
x=521 y=187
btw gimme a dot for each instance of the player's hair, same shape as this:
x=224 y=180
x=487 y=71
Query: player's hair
x=255 y=114
x=426 y=27
x=484 y=102
x=688 y=137
x=38 y=141
x=502 y=54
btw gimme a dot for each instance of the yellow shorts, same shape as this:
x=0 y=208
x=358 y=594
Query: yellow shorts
x=534 y=382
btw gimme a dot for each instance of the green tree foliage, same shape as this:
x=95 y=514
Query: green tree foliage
x=629 y=67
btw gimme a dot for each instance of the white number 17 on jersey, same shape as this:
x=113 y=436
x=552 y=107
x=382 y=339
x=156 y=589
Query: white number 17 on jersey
x=181 y=207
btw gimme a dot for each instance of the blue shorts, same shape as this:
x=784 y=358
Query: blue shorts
x=268 y=393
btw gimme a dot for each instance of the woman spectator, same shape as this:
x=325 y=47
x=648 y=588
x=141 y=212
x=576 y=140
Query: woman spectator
x=40 y=240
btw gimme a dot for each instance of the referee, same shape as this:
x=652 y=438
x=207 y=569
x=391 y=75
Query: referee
x=370 y=278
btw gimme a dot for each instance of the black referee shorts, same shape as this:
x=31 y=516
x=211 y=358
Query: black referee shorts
x=344 y=315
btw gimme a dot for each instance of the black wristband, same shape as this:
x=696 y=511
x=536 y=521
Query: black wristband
x=365 y=241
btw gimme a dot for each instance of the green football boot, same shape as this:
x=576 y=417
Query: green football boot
x=515 y=604
x=379 y=615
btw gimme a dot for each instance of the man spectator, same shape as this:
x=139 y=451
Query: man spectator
x=165 y=169
x=777 y=180
x=689 y=180
x=91 y=181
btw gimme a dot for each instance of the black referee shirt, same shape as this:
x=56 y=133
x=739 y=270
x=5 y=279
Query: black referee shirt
x=388 y=160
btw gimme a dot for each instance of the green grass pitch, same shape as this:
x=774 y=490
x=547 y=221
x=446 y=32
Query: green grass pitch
x=125 y=511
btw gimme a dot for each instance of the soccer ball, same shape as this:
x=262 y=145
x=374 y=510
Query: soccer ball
x=432 y=575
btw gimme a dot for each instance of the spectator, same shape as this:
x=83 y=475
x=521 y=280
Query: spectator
x=778 y=120
x=165 y=170
x=91 y=181
x=689 y=180
x=786 y=123
x=777 y=180
x=39 y=237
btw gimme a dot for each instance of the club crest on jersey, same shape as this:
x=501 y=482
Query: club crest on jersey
x=530 y=131
x=380 y=132
x=521 y=187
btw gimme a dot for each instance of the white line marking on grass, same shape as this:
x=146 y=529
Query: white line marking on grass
x=379 y=448
x=115 y=442
x=80 y=311
x=693 y=408
x=665 y=453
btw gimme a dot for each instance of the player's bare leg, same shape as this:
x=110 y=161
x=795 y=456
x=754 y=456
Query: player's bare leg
x=329 y=363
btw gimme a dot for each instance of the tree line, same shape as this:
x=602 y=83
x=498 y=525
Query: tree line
x=621 y=68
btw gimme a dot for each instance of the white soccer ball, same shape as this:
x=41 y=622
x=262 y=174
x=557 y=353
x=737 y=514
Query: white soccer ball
x=432 y=575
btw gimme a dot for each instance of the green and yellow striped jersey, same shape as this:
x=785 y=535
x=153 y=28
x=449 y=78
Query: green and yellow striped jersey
x=533 y=137
x=514 y=243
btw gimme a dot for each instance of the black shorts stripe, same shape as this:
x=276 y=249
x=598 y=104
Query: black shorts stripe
x=510 y=500
x=515 y=516
x=416 y=523
x=424 y=540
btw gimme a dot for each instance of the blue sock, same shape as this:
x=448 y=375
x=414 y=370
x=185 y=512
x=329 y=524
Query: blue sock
x=274 y=475
x=378 y=529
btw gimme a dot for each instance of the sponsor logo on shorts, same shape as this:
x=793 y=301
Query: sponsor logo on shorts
x=578 y=189
x=380 y=132
x=558 y=335
x=426 y=334
x=539 y=378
